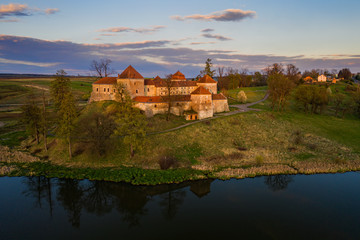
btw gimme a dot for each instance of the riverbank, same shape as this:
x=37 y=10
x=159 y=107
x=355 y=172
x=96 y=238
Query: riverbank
x=16 y=163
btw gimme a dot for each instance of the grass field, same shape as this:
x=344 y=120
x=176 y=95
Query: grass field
x=245 y=144
x=253 y=94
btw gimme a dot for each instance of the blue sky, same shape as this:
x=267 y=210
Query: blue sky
x=161 y=37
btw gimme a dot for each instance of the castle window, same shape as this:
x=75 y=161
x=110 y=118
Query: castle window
x=104 y=89
x=148 y=90
x=137 y=91
x=108 y=90
x=114 y=89
x=97 y=89
x=155 y=105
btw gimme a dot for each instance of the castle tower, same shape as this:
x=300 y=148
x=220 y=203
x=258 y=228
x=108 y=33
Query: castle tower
x=178 y=76
x=207 y=82
x=201 y=102
x=133 y=81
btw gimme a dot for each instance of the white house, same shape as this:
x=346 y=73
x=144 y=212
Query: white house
x=322 y=78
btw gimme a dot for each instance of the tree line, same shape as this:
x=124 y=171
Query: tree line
x=92 y=126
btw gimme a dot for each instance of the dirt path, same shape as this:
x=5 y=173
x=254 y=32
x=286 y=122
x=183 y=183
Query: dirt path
x=240 y=107
x=38 y=87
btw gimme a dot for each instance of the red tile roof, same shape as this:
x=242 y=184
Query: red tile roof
x=219 y=96
x=130 y=73
x=149 y=82
x=178 y=76
x=201 y=91
x=206 y=79
x=157 y=78
x=106 y=80
x=162 y=99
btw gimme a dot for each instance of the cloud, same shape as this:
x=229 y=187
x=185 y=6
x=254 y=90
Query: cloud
x=150 y=58
x=207 y=30
x=201 y=43
x=20 y=10
x=215 y=36
x=137 y=30
x=14 y=9
x=38 y=64
x=51 y=11
x=228 y=15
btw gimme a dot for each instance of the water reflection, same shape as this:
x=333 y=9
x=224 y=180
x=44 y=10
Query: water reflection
x=278 y=182
x=100 y=197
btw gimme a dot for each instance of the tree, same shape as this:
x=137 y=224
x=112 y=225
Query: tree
x=207 y=70
x=222 y=83
x=131 y=125
x=259 y=79
x=102 y=67
x=67 y=116
x=312 y=97
x=59 y=87
x=279 y=89
x=233 y=78
x=292 y=72
x=44 y=123
x=32 y=118
x=95 y=128
x=345 y=74
x=276 y=68
x=168 y=98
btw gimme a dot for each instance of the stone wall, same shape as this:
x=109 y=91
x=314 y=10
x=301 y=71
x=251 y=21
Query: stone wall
x=212 y=87
x=102 y=92
x=135 y=87
x=221 y=105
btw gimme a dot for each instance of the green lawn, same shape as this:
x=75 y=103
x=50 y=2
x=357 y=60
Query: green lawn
x=253 y=94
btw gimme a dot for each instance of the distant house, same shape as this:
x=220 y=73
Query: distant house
x=322 y=78
x=308 y=79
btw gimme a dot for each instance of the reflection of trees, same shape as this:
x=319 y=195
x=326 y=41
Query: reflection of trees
x=70 y=195
x=171 y=202
x=40 y=188
x=278 y=182
x=101 y=197
x=97 y=198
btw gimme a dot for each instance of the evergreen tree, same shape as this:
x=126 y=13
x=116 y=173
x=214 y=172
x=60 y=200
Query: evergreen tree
x=207 y=70
x=131 y=124
x=59 y=88
x=32 y=118
x=67 y=115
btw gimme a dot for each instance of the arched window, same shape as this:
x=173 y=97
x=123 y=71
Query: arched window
x=137 y=91
x=155 y=105
x=108 y=89
x=148 y=90
x=104 y=89
x=97 y=89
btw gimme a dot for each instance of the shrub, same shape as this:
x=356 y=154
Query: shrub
x=259 y=159
x=242 y=97
x=167 y=162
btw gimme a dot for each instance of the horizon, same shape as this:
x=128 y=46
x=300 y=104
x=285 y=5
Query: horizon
x=160 y=38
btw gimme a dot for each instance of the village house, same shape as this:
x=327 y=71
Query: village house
x=192 y=99
x=322 y=78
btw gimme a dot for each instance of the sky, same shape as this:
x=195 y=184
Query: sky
x=160 y=37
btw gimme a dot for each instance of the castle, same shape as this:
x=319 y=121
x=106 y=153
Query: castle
x=192 y=99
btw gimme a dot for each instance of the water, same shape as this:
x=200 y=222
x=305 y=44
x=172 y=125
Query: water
x=277 y=207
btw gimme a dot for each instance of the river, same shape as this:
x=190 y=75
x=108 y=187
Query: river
x=324 y=206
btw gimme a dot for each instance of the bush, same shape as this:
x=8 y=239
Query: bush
x=259 y=159
x=242 y=97
x=167 y=162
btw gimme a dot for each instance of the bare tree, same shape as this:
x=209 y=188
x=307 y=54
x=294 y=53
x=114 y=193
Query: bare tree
x=292 y=72
x=102 y=67
x=168 y=97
